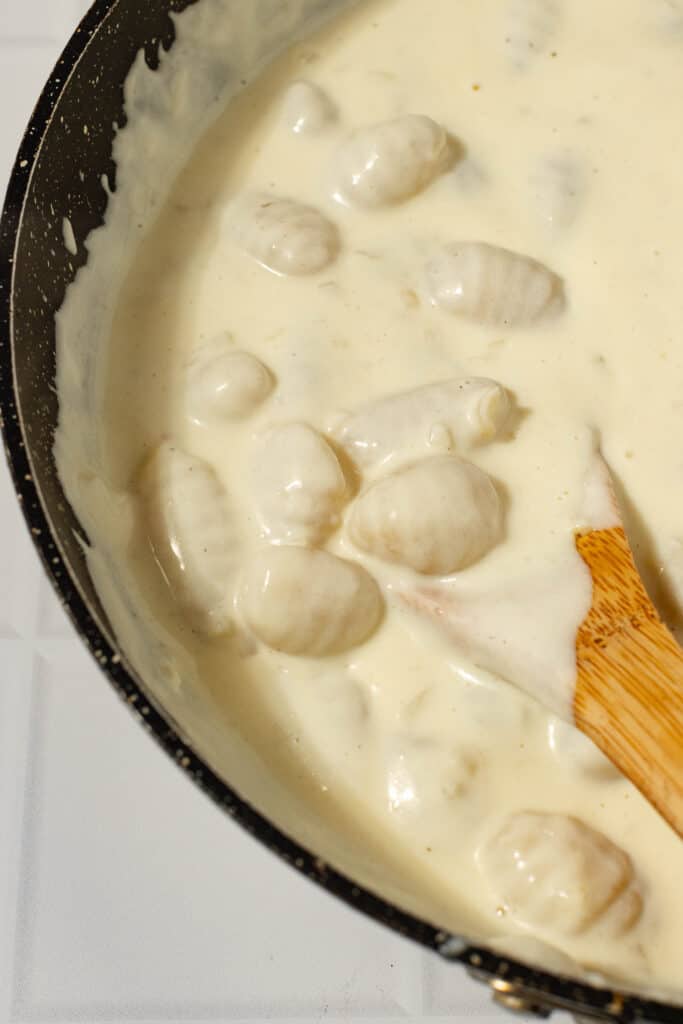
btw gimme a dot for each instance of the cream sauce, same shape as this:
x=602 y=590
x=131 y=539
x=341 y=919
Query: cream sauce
x=565 y=148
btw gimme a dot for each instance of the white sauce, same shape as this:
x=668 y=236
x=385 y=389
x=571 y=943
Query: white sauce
x=541 y=142
x=69 y=237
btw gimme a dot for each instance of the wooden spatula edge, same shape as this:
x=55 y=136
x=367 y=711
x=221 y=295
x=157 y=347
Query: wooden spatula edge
x=629 y=688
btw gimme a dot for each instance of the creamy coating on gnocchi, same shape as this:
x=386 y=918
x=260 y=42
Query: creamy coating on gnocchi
x=411 y=281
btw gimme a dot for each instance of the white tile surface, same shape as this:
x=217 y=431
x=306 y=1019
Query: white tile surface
x=24 y=66
x=49 y=21
x=166 y=909
x=19 y=573
x=124 y=895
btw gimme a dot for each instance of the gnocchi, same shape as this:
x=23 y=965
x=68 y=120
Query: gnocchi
x=558 y=184
x=436 y=516
x=224 y=383
x=470 y=177
x=388 y=163
x=307 y=108
x=307 y=602
x=667 y=18
x=422 y=774
x=299 y=484
x=558 y=874
x=192 y=534
x=493 y=285
x=469 y=410
x=576 y=751
x=286 y=236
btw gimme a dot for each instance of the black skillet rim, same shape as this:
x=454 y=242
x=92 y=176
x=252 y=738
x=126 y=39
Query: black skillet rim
x=514 y=985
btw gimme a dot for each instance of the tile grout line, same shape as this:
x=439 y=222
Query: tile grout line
x=26 y=704
x=26 y=842
x=18 y=698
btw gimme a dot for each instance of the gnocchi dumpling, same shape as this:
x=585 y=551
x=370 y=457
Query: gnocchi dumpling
x=558 y=183
x=347 y=704
x=529 y=29
x=422 y=774
x=307 y=108
x=299 y=485
x=493 y=285
x=225 y=383
x=466 y=411
x=470 y=176
x=192 y=534
x=389 y=162
x=436 y=516
x=306 y=602
x=555 y=873
x=285 y=236
x=574 y=750
x=667 y=18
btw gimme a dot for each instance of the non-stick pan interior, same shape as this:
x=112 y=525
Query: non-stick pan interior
x=57 y=186
x=59 y=174
x=62 y=182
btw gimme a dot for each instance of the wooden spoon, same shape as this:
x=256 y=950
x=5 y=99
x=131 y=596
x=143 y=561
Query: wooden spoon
x=629 y=686
x=628 y=695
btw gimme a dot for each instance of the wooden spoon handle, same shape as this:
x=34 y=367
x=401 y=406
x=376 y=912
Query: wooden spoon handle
x=629 y=690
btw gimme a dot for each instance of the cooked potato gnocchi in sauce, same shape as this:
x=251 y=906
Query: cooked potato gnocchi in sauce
x=365 y=356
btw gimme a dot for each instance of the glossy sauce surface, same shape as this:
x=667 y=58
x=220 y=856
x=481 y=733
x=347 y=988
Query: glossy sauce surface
x=306 y=276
